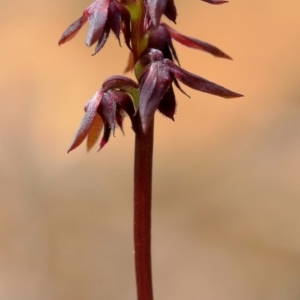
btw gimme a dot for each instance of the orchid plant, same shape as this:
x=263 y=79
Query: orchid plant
x=157 y=69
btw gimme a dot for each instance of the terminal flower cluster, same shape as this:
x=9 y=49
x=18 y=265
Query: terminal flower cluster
x=156 y=67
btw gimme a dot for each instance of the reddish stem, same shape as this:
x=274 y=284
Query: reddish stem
x=142 y=211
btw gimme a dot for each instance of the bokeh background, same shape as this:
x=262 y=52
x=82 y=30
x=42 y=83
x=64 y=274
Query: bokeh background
x=226 y=202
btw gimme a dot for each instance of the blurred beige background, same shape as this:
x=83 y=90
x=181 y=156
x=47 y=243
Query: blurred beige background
x=226 y=175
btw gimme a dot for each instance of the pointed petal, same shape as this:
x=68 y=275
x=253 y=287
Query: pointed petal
x=195 y=43
x=107 y=110
x=125 y=24
x=102 y=40
x=169 y=53
x=156 y=8
x=114 y=20
x=98 y=14
x=154 y=85
x=127 y=34
x=87 y=121
x=120 y=118
x=106 y=136
x=199 y=83
x=215 y=1
x=170 y=11
x=173 y=51
x=179 y=87
x=167 y=105
x=94 y=132
x=73 y=29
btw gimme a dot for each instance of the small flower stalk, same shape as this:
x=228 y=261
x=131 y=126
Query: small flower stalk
x=158 y=74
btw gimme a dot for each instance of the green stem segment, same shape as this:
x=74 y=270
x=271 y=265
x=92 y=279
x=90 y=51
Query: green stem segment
x=142 y=211
x=138 y=37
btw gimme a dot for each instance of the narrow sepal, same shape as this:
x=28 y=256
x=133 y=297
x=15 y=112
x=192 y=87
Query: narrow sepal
x=170 y=11
x=119 y=118
x=125 y=23
x=115 y=19
x=127 y=35
x=87 y=121
x=102 y=40
x=195 y=43
x=107 y=110
x=73 y=29
x=173 y=51
x=179 y=87
x=105 y=137
x=199 y=83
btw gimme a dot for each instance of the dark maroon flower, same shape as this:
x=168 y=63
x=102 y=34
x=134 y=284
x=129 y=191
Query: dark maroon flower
x=103 y=16
x=106 y=110
x=156 y=86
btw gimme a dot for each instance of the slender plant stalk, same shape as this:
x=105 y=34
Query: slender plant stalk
x=142 y=178
x=142 y=211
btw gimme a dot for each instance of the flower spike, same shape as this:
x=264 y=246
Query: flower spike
x=155 y=68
